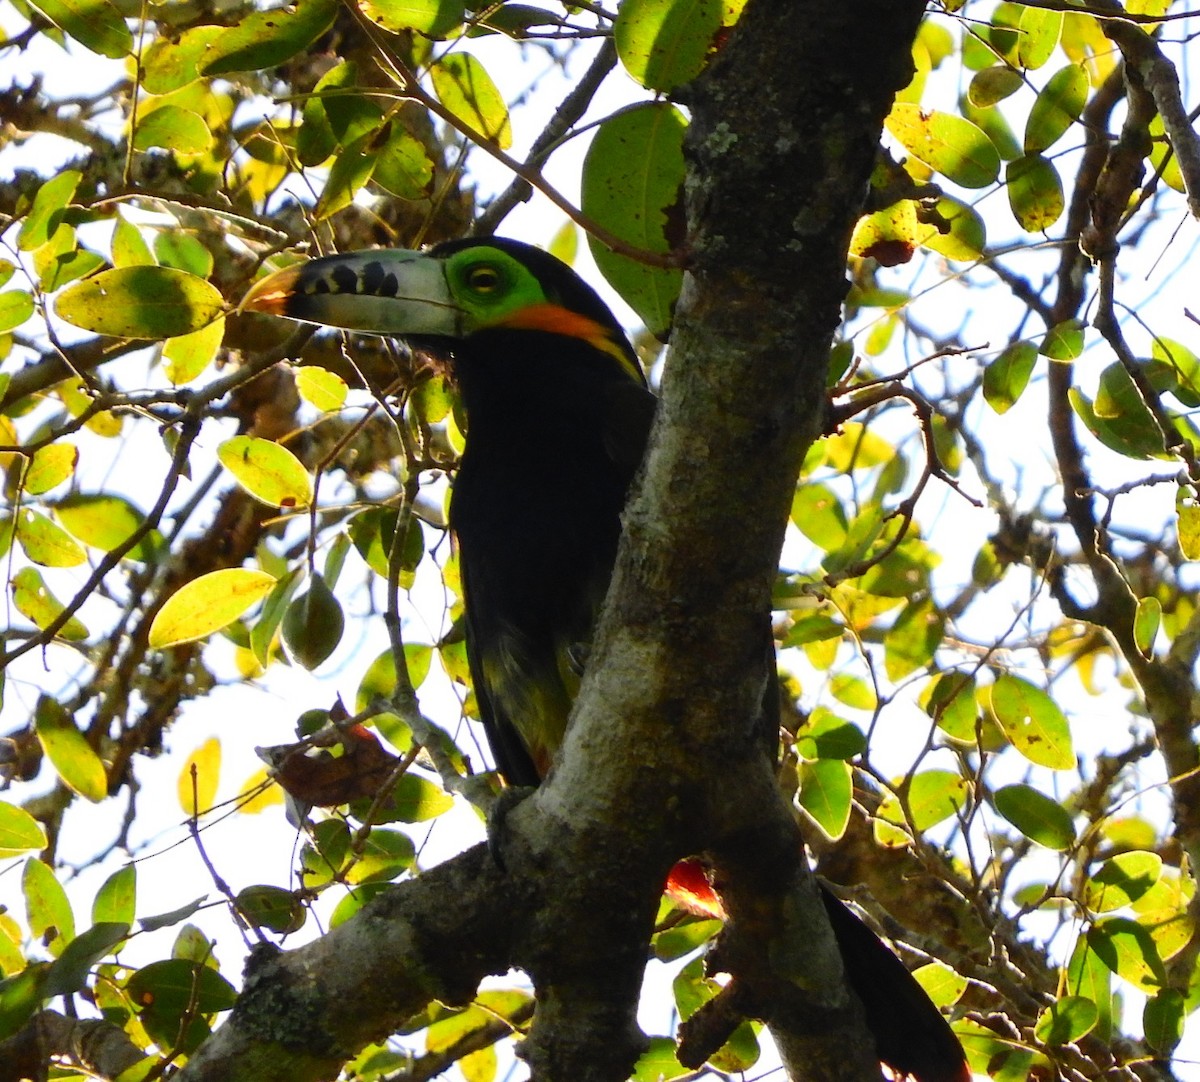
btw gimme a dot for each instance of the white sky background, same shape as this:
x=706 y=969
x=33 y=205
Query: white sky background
x=262 y=849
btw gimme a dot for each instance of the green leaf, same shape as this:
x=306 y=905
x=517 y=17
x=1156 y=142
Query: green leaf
x=861 y=536
x=67 y=748
x=129 y=247
x=433 y=18
x=1033 y=722
x=818 y=514
x=1146 y=623
x=96 y=24
x=993 y=123
x=1120 y=417
x=70 y=972
x=913 y=638
x=664 y=43
x=1035 y=192
x=464 y=87
x=673 y=942
x=1162 y=157
x=827 y=736
x=373 y=532
x=852 y=691
x=174 y=128
x=934 y=796
x=1057 y=107
x=351 y=169
x=992 y=85
x=47 y=908
x=20 y=996
x=265 y=39
x=413 y=800
x=321 y=388
x=334 y=116
x=1129 y=950
x=326 y=857
x=941 y=983
x=658 y=1063
x=1063 y=341
x=20 y=832
x=50 y=466
x=190 y=354
x=45 y=216
x=632 y=186
x=1122 y=880
x=1163 y=1020
x=1088 y=976
x=403 y=167
x=174 y=984
x=1005 y=378
x=1188 y=527
x=385 y=855
x=313 y=624
x=271 y=907
x=948 y=144
x=182 y=252
x=1039 y=31
x=951 y=703
x=104 y=522
x=60 y=260
x=34 y=600
x=267 y=470
x=825 y=794
x=966 y=238
x=115 y=901
x=171 y=64
x=141 y=302
x=46 y=543
x=1118 y=398
x=1066 y=1020
x=1130 y=437
x=16 y=306
x=168 y=920
x=262 y=634
x=1037 y=816
x=207 y=604
x=1186 y=366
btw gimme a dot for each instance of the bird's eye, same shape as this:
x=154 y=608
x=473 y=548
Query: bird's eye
x=483 y=279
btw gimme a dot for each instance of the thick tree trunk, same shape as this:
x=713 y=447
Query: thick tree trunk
x=660 y=760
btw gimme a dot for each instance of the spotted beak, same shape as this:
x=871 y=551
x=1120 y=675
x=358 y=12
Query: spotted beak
x=390 y=291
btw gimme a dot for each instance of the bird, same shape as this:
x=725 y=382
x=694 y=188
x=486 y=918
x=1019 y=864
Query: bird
x=558 y=414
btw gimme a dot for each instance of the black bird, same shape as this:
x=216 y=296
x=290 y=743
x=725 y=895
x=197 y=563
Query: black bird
x=558 y=415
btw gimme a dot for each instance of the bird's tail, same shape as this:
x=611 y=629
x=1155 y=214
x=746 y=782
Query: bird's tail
x=911 y=1035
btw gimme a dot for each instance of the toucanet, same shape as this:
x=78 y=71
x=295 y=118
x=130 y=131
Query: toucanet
x=558 y=414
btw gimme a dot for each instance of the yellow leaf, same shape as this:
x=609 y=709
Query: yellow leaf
x=208 y=604
x=258 y=792
x=198 y=794
x=267 y=470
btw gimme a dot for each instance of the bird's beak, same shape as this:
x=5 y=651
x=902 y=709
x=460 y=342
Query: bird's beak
x=390 y=291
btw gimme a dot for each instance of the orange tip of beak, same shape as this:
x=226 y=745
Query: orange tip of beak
x=271 y=294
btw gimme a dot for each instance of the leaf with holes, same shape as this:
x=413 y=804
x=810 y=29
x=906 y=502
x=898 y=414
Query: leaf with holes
x=1033 y=722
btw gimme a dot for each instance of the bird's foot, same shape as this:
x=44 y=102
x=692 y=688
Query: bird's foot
x=508 y=799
